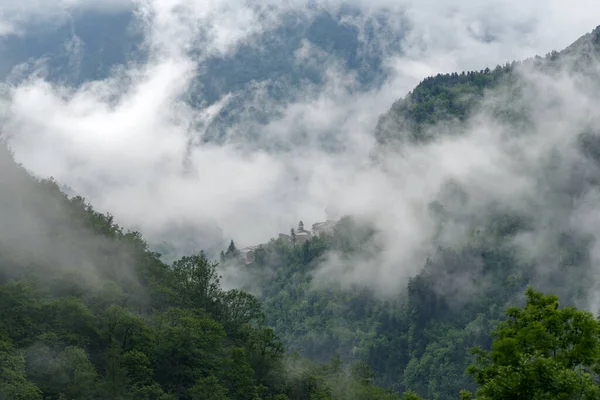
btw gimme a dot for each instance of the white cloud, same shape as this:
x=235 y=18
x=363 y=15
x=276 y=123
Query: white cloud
x=124 y=142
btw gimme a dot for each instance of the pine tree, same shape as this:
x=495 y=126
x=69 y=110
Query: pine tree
x=232 y=251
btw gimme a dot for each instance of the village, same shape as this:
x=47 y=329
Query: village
x=296 y=236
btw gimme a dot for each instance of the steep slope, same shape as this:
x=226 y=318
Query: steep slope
x=420 y=339
x=453 y=98
x=88 y=312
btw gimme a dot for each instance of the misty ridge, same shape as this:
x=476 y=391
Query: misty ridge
x=204 y=126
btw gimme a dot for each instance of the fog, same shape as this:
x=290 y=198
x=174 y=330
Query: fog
x=131 y=144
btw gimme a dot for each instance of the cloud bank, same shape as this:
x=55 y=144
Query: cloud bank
x=131 y=143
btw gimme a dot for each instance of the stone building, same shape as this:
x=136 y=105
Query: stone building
x=303 y=236
x=323 y=228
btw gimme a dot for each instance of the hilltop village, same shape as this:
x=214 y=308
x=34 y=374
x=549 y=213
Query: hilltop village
x=296 y=236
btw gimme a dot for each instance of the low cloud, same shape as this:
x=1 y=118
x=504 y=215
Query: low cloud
x=489 y=166
x=131 y=143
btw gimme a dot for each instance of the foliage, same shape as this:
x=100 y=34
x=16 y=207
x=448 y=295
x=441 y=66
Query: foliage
x=89 y=312
x=541 y=352
x=419 y=340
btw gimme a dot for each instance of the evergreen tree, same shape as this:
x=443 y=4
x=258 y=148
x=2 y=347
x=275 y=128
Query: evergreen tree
x=232 y=251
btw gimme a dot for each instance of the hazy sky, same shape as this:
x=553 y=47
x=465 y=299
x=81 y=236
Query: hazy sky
x=123 y=142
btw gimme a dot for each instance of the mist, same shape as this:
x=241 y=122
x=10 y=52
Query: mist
x=132 y=144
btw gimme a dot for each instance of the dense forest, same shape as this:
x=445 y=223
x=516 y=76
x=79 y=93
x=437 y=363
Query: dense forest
x=453 y=98
x=89 y=311
x=420 y=340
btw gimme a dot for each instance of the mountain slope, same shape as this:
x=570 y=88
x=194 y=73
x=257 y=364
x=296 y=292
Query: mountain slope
x=453 y=98
x=420 y=338
x=88 y=312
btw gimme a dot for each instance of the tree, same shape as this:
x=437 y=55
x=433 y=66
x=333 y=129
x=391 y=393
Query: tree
x=208 y=388
x=410 y=395
x=76 y=373
x=69 y=373
x=293 y=235
x=19 y=308
x=196 y=283
x=238 y=309
x=138 y=368
x=88 y=311
x=187 y=347
x=239 y=376
x=232 y=251
x=540 y=352
x=13 y=383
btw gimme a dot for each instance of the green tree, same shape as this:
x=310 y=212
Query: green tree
x=71 y=320
x=13 y=383
x=208 y=388
x=68 y=374
x=187 y=347
x=232 y=251
x=540 y=352
x=196 y=283
x=239 y=309
x=239 y=376
x=76 y=374
x=410 y=395
x=138 y=368
x=20 y=310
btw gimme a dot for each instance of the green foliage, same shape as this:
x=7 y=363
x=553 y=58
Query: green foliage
x=448 y=100
x=13 y=380
x=89 y=312
x=438 y=99
x=93 y=314
x=208 y=389
x=196 y=283
x=419 y=341
x=541 y=352
x=20 y=309
x=410 y=395
x=239 y=376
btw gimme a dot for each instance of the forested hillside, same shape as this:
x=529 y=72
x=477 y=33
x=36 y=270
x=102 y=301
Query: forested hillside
x=420 y=339
x=453 y=98
x=89 y=312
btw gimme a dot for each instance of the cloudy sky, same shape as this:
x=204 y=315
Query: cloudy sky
x=124 y=142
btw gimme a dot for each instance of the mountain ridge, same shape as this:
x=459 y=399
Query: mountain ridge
x=458 y=94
